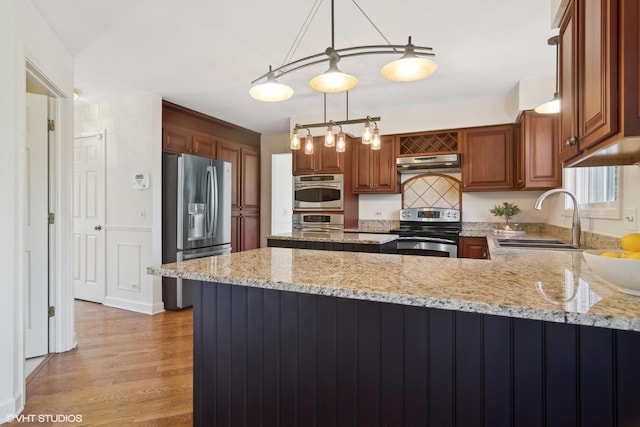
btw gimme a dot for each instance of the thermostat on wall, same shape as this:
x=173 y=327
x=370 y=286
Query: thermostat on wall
x=140 y=181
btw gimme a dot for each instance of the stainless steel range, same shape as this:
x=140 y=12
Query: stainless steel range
x=429 y=231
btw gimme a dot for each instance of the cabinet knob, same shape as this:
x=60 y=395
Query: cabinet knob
x=484 y=254
x=571 y=142
x=520 y=180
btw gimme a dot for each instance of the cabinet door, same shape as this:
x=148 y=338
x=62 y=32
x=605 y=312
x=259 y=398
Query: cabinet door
x=230 y=152
x=327 y=159
x=250 y=188
x=176 y=139
x=303 y=164
x=488 y=158
x=362 y=168
x=598 y=65
x=473 y=247
x=539 y=164
x=250 y=230
x=204 y=145
x=386 y=179
x=236 y=227
x=568 y=81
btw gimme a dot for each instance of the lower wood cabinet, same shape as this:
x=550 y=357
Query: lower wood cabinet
x=245 y=194
x=473 y=247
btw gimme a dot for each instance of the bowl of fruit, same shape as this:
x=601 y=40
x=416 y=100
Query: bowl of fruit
x=620 y=267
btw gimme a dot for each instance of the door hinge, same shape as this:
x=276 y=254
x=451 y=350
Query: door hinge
x=51 y=125
x=52 y=218
x=52 y=311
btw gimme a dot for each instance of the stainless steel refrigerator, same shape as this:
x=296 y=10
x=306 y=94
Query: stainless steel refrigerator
x=196 y=217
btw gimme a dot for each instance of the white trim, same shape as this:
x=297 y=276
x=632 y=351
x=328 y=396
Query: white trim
x=134 y=305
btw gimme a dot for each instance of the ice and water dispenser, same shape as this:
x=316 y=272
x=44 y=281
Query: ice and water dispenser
x=197 y=221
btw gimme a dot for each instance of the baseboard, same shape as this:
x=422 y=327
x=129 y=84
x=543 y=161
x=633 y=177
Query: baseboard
x=136 y=306
x=11 y=407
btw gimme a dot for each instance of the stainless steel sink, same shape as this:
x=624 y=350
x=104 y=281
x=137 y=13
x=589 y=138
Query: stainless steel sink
x=536 y=244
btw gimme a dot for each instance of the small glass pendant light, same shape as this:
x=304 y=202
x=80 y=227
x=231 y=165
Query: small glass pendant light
x=341 y=144
x=366 y=134
x=308 y=144
x=329 y=139
x=295 y=140
x=375 y=140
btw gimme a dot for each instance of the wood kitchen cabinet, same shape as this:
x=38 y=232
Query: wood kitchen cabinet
x=538 y=162
x=323 y=160
x=473 y=247
x=375 y=171
x=488 y=158
x=599 y=80
x=245 y=193
x=181 y=140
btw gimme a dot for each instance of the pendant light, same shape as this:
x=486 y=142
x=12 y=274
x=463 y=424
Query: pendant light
x=376 y=143
x=329 y=140
x=308 y=144
x=414 y=64
x=295 y=140
x=553 y=106
x=341 y=143
x=409 y=67
x=333 y=80
x=271 y=90
x=366 y=133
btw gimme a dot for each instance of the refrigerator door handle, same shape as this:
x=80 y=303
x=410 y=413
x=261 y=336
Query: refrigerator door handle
x=212 y=203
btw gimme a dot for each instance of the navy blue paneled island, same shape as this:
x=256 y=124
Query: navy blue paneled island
x=304 y=337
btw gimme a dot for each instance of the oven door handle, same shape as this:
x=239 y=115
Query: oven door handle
x=426 y=239
x=327 y=186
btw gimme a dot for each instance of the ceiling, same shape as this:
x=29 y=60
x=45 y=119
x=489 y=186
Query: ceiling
x=203 y=54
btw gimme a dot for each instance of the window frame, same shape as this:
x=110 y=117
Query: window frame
x=601 y=210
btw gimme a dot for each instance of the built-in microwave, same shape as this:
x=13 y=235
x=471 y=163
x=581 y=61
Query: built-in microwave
x=318 y=193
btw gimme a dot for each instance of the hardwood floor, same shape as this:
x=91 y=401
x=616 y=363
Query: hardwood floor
x=128 y=369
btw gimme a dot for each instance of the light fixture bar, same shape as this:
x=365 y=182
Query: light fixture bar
x=336 y=123
x=359 y=51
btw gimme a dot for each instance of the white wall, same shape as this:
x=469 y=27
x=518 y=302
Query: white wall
x=133 y=217
x=24 y=35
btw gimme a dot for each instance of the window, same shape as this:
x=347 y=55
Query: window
x=597 y=190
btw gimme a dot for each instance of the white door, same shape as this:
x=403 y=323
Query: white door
x=36 y=263
x=89 y=217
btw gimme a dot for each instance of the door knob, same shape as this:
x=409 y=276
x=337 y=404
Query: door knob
x=97 y=227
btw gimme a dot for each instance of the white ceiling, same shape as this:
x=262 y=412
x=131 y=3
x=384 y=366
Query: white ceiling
x=203 y=54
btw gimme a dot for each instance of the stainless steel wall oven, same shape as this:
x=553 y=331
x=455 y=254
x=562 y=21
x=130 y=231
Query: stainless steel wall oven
x=318 y=193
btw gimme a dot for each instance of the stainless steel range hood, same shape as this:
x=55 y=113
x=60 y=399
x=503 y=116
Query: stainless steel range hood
x=436 y=163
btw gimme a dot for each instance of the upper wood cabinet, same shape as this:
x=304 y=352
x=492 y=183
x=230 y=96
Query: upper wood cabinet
x=178 y=140
x=538 y=166
x=488 y=158
x=375 y=171
x=432 y=142
x=599 y=80
x=323 y=160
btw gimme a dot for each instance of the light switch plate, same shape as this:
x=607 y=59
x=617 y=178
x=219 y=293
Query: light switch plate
x=631 y=218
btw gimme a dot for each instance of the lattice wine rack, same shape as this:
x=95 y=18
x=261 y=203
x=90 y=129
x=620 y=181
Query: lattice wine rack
x=429 y=143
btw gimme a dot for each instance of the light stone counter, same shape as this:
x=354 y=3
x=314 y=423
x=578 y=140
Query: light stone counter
x=336 y=237
x=554 y=286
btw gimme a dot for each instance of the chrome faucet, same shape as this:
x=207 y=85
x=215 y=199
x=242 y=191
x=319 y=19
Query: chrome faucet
x=575 y=226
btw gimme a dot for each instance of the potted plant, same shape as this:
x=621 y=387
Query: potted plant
x=507 y=210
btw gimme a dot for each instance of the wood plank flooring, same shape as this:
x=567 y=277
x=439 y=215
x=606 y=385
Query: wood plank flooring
x=128 y=369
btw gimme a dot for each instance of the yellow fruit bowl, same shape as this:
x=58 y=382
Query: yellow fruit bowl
x=622 y=272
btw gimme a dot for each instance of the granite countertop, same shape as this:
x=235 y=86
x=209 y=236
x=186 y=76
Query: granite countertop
x=336 y=237
x=549 y=285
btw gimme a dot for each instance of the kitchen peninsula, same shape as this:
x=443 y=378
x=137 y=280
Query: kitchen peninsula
x=303 y=337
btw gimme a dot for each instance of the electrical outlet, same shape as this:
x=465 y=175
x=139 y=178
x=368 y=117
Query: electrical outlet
x=631 y=218
x=377 y=213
